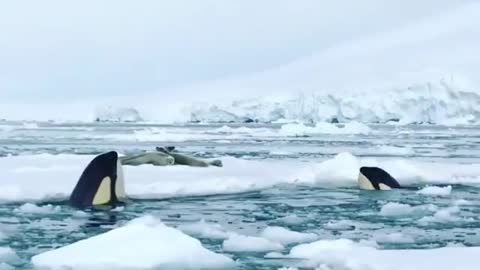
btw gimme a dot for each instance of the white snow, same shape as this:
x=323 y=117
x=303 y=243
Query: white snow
x=346 y=254
x=436 y=191
x=158 y=246
x=285 y=236
x=30 y=208
x=53 y=177
x=244 y=243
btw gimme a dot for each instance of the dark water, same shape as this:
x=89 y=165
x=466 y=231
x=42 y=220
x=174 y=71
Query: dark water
x=314 y=210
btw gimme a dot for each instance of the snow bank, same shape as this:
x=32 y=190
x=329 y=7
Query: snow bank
x=243 y=243
x=436 y=191
x=161 y=247
x=346 y=254
x=285 y=236
x=52 y=177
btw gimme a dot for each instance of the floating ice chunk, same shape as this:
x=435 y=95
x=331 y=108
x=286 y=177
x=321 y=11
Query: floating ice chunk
x=203 y=229
x=292 y=219
x=400 y=209
x=462 y=202
x=243 y=243
x=30 y=208
x=395 y=237
x=144 y=243
x=327 y=172
x=227 y=129
x=80 y=214
x=301 y=130
x=436 y=191
x=346 y=254
x=340 y=225
x=30 y=125
x=285 y=236
x=274 y=255
x=444 y=215
x=396 y=209
x=6 y=266
x=8 y=255
x=395 y=150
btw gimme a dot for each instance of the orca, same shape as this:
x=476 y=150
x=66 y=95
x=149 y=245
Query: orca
x=101 y=183
x=374 y=178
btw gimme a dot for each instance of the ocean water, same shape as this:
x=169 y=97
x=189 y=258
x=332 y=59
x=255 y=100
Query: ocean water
x=273 y=187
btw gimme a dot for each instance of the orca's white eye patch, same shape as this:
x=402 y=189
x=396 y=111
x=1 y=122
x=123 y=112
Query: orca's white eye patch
x=103 y=194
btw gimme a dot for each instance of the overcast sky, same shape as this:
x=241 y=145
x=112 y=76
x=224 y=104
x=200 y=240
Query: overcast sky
x=93 y=47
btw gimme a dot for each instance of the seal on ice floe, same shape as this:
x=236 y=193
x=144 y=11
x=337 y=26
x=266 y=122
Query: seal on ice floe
x=181 y=159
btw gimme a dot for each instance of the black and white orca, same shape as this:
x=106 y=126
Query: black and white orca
x=101 y=183
x=374 y=178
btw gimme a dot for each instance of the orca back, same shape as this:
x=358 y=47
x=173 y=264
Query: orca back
x=101 y=183
x=378 y=178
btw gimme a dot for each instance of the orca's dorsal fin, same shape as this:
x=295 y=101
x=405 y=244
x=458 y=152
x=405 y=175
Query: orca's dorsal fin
x=101 y=183
x=375 y=178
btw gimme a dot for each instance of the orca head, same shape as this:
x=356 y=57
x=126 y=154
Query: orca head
x=162 y=149
x=166 y=149
x=170 y=148
x=101 y=183
x=374 y=178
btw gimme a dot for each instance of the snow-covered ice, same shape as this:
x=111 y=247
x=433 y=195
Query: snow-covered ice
x=435 y=191
x=52 y=177
x=285 y=236
x=346 y=254
x=160 y=246
x=244 y=243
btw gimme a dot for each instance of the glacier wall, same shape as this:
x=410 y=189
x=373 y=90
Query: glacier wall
x=441 y=102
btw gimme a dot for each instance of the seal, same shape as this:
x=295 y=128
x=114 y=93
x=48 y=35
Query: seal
x=181 y=159
x=153 y=158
